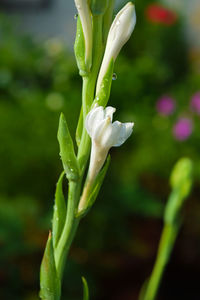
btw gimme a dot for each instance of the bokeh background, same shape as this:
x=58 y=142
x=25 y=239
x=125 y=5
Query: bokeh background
x=157 y=87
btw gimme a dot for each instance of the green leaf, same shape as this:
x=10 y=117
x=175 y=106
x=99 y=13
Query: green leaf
x=67 y=154
x=105 y=87
x=59 y=213
x=79 y=128
x=79 y=49
x=93 y=193
x=49 y=282
x=85 y=289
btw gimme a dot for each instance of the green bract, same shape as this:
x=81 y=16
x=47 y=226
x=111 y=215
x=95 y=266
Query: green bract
x=104 y=91
x=67 y=150
x=94 y=189
x=50 y=284
x=59 y=214
x=79 y=128
x=79 y=49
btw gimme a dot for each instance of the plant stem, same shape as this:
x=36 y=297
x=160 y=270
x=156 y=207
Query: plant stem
x=71 y=222
x=69 y=229
x=166 y=244
x=89 y=84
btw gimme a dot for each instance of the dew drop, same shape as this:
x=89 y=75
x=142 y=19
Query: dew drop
x=114 y=77
x=75 y=16
x=118 y=23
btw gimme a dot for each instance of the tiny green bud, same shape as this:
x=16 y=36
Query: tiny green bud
x=181 y=182
x=79 y=49
x=181 y=176
x=98 y=7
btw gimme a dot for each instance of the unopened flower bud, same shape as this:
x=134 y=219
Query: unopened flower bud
x=86 y=22
x=120 y=31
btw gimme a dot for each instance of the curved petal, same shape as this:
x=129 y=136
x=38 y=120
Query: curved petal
x=123 y=134
x=109 y=111
x=111 y=134
x=99 y=130
x=95 y=116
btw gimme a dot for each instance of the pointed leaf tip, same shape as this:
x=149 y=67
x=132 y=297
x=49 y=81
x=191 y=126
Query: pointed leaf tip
x=85 y=289
x=49 y=282
x=67 y=153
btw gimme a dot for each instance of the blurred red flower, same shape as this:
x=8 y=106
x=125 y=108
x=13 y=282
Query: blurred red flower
x=157 y=13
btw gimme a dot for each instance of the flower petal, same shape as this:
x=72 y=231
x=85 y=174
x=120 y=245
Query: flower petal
x=124 y=133
x=95 y=116
x=109 y=111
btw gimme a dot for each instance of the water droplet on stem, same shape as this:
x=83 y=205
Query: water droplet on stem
x=114 y=77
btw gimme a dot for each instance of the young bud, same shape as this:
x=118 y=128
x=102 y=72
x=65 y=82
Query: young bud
x=181 y=182
x=120 y=31
x=86 y=22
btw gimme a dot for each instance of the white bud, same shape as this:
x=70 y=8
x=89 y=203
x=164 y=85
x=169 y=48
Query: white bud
x=104 y=135
x=120 y=31
x=86 y=22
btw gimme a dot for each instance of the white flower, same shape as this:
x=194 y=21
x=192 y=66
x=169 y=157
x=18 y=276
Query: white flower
x=104 y=135
x=120 y=31
x=86 y=22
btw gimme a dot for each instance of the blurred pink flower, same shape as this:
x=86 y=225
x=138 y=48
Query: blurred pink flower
x=165 y=106
x=157 y=13
x=195 y=103
x=183 y=129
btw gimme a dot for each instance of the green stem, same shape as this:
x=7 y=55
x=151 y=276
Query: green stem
x=72 y=222
x=69 y=229
x=166 y=244
x=89 y=84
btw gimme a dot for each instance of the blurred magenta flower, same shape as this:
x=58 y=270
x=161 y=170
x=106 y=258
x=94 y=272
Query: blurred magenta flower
x=157 y=13
x=183 y=129
x=195 y=103
x=165 y=106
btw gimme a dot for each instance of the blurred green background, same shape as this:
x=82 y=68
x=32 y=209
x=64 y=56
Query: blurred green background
x=157 y=87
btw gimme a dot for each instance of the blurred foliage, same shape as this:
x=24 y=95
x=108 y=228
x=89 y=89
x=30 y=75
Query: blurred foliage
x=120 y=234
